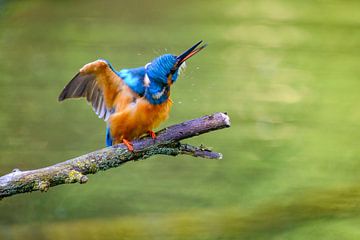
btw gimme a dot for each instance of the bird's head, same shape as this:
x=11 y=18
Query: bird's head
x=165 y=69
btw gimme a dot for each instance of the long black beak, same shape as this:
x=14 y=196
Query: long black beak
x=188 y=54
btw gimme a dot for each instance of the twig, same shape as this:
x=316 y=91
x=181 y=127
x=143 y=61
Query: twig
x=75 y=170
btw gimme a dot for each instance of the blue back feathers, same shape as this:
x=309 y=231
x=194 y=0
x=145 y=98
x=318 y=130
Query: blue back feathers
x=134 y=79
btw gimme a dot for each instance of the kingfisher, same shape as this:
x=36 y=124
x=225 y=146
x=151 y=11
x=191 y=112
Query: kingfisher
x=133 y=101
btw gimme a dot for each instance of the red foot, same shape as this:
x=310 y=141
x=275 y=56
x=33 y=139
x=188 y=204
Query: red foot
x=129 y=145
x=152 y=134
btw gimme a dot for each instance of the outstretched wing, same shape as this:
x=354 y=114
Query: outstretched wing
x=99 y=83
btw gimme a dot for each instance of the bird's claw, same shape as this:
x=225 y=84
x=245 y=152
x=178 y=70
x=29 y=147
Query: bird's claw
x=129 y=145
x=152 y=134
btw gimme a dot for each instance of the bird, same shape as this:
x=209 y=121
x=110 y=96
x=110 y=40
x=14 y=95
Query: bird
x=132 y=101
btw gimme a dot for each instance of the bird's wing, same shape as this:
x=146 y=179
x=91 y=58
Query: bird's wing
x=99 y=83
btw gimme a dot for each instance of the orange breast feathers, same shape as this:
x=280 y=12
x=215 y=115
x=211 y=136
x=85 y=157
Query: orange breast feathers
x=135 y=116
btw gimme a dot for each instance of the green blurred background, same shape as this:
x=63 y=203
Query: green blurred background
x=287 y=72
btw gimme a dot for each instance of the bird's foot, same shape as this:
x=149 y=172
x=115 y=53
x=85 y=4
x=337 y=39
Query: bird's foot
x=152 y=134
x=128 y=144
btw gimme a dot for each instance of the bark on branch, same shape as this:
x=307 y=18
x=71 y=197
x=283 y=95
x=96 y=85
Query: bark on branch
x=76 y=169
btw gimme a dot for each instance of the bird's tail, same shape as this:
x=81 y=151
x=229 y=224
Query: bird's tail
x=109 y=139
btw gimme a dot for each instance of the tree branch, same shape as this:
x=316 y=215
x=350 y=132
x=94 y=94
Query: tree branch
x=75 y=170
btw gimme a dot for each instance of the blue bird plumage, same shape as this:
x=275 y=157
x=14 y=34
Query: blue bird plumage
x=134 y=79
x=158 y=70
x=156 y=93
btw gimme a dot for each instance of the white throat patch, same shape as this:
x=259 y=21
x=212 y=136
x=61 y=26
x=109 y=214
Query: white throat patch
x=182 y=68
x=146 y=78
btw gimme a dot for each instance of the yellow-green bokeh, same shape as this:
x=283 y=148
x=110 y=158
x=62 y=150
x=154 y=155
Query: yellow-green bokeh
x=287 y=72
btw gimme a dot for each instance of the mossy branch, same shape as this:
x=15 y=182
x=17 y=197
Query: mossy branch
x=75 y=170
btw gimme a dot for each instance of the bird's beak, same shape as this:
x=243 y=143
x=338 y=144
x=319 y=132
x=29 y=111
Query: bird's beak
x=183 y=57
x=188 y=54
